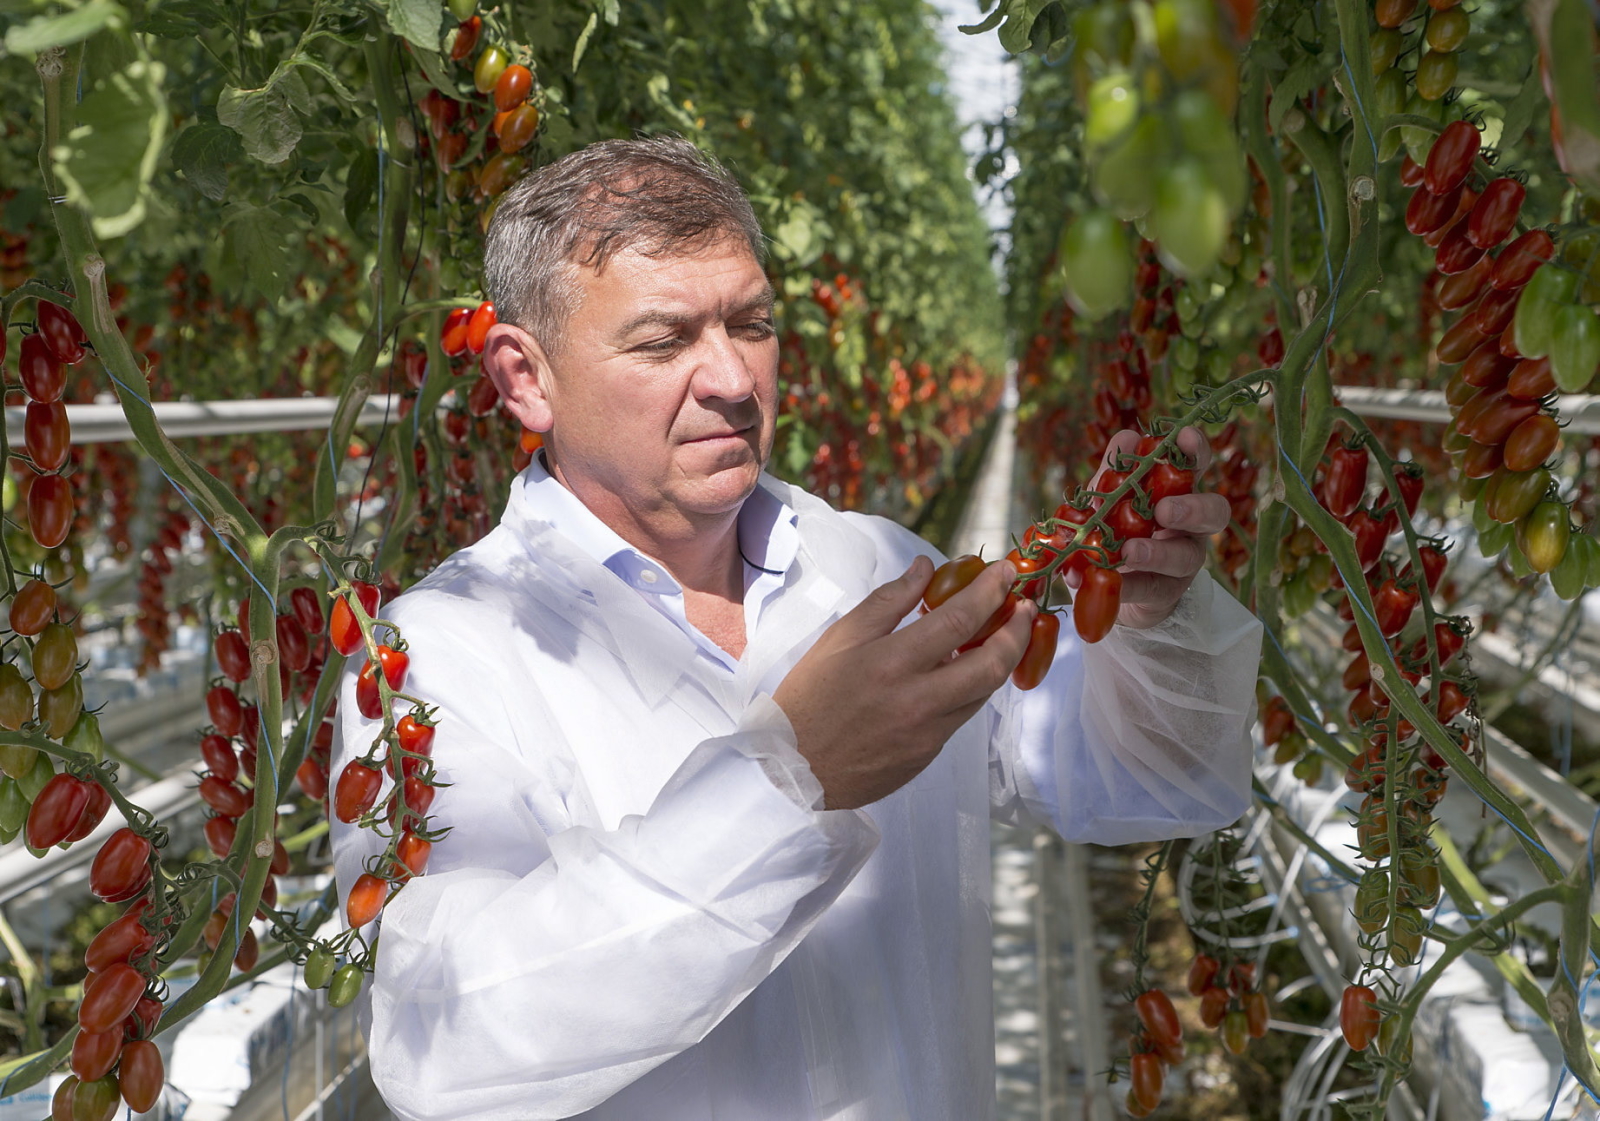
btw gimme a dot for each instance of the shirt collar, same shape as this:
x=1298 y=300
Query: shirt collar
x=768 y=534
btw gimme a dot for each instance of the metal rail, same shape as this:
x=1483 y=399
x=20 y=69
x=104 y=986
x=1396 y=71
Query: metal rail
x=105 y=423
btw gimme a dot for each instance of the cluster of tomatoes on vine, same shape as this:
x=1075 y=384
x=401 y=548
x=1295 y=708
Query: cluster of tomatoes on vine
x=1520 y=336
x=510 y=87
x=1081 y=542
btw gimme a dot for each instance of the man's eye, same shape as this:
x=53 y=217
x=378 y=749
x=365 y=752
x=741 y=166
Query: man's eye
x=758 y=328
x=662 y=346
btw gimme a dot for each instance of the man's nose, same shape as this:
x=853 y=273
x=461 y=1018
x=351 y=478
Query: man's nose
x=722 y=371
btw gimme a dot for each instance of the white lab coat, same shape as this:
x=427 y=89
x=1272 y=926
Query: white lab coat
x=641 y=915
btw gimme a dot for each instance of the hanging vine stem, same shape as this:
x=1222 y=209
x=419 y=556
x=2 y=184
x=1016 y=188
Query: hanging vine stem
x=1154 y=864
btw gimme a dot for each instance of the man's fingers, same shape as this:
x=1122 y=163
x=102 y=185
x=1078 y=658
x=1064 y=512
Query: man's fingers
x=1202 y=514
x=1193 y=442
x=973 y=676
x=1176 y=555
x=955 y=621
x=881 y=612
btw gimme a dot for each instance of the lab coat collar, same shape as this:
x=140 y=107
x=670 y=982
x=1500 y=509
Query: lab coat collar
x=767 y=535
x=596 y=600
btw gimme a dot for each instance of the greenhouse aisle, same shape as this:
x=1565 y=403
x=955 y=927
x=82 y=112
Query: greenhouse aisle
x=1040 y=1043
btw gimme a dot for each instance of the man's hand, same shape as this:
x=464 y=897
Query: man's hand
x=1157 y=570
x=872 y=706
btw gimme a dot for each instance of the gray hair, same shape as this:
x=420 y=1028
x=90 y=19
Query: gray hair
x=655 y=196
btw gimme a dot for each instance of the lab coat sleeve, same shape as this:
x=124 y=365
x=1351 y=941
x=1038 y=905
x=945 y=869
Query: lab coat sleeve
x=542 y=963
x=1142 y=736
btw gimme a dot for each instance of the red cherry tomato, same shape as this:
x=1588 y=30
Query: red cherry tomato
x=294 y=647
x=366 y=900
x=1040 y=653
x=343 y=629
x=313 y=779
x=220 y=832
x=418 y=797
x=950 y=577
x=1346 y=480
x=1359 y=1016
x=121 y=868
x=466 y=38
x=1450 y=159
x=141 y=1075
x=46 y=434
x=416 y=738
x=226 y=798
x=56 y=811
x=50 y=510
x=95 y=1053
x=62 y=331
x=122 y=939
x=412 y=854
x=1495 y=212
x=512 y=87
x=33 y=607
x=233 y=656
x=1532 y=442
x=1095 y=607
x=1147 y=1075
x=1202 y=973
x=43 y=376
x=222 y=704
x=1257 y=1013
x=1393 y=606
x=484 y=317
x=1213 y=1005
x=453 y=336
x=1427 y=212
x=1521 y=259
x=356 y=792
x=1158 y=1016
x=109 y=997
x=307 y=607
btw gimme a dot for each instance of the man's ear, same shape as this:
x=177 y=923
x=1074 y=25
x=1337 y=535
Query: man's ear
x=520 y=370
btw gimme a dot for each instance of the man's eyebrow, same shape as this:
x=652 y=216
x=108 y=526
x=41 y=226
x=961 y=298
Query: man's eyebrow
x=762 y=301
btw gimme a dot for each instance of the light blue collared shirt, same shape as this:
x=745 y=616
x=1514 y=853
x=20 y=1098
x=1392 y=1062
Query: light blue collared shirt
x=768 y=541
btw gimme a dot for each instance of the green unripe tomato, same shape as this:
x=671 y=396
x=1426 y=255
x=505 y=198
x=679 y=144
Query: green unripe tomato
x=463 y=9
x=1544 y=534
x=1574 y=347
x=1548 y=291
x=1385 y=44
x=345 y=986
x=1190 y=218
x=1113 y=107
x=1121 y=178
x=1567 y=579
x=318 y=968
x=492 y=62
x=85 y=736
x=1098 y=265
x=44 y=770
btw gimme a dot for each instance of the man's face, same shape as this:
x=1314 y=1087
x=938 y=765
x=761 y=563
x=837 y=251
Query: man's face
x=663 y=395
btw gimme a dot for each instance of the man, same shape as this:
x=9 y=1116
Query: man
x=719 y=798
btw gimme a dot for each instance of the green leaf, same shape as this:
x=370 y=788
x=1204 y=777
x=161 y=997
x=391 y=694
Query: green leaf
x=263 y=119
x=419 y=22
x=254 y=244
x=583 y=39
x=1519 y=113
x=359 y=185
x=42 y=32
x=109 y=158
x=1303 y=77
x=203 y=152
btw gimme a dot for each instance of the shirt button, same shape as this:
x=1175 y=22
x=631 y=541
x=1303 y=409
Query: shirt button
x=648 y=576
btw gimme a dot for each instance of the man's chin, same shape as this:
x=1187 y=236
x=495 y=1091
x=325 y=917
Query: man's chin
x=720 y=489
